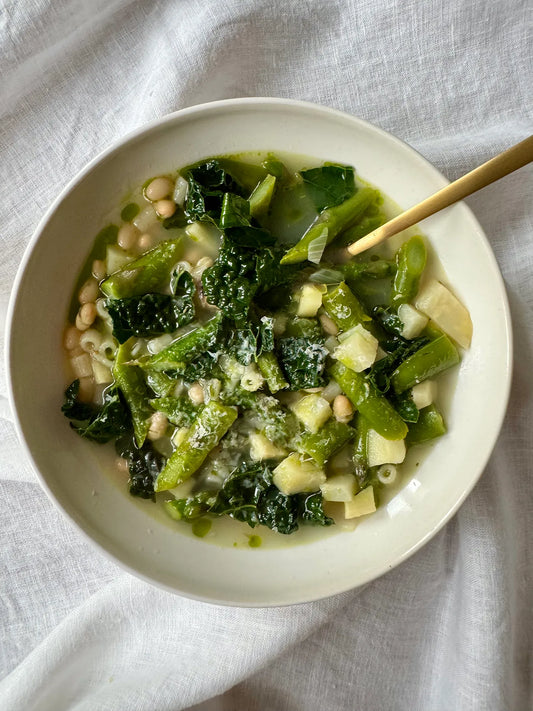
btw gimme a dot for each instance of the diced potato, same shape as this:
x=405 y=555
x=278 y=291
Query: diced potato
x=116 y=258
x=340 y=487
x=262 y=448
x=384 y=451
x=424 y=393
x=313 y=411
x=438 y=302
x=413 y=321
x=81 y=366
x=310 y=300
x=295 y=475
x=357 y=349
x=363 y=503
x=252 y=379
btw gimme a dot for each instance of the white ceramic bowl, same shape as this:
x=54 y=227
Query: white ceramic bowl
x=65 y=463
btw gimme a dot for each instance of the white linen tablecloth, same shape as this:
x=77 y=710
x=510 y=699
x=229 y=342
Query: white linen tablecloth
x=451 y=628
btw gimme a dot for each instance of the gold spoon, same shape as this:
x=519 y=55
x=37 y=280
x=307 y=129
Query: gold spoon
x=494 y=169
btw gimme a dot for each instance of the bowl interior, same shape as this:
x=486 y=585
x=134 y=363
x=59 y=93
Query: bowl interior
x=67 y=464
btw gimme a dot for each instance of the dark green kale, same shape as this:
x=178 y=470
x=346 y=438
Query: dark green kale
x=311 y=509
x=178 y=219
x=397 y=350
x=98 y=424
x=148 y=315
x=239 y=274
x=249 y=495
x=329 y=185
x=248 y=343
x=405 y=407
x=303 y=361
x=154 y=314
x=207 y=184
x=310 y=328
x=144 y=464
x=390 y=321
x=235 y=211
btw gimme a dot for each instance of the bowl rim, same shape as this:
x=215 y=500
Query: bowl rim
x=156 y=124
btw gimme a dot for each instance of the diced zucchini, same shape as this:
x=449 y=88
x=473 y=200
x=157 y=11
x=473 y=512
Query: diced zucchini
x=261 y=197
x=179 y=436
x=424 y=393
x=340 y=487
x=363 y=503
x=384 y=451
x=357 y=350
x=310 y=300
x=413 y=321
x=262 y=448
x=445 y=309
x=313 y=411
x=295 y=475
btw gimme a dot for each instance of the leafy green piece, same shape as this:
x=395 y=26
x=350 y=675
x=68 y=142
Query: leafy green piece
x=303 y=361
x=235 y=211
x=179 y=410
x=129 y=212
x=390 y=321
x=248 y=343
x=208 y=183
x=238 y=274
x=148 y=315
x=299 y=327
x=405 y=407
x=398 y=349
x=144 y=464
x=278 y=511
x=266 y=413
x=329 y=185
x=191 y=508
x=311 y=509
x=98 y=424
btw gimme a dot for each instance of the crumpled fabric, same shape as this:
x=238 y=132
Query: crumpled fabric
x=452 y=627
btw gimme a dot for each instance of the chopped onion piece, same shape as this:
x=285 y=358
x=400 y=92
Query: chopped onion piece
x=317 y=246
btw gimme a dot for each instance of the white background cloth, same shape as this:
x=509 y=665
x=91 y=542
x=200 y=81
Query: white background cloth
x=451 y=628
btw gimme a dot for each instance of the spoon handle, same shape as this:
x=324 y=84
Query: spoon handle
x=494 y=169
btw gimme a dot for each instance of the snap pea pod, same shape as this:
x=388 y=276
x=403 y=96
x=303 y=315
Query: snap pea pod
x=360 y=450
x=365 y=397
x=344 y=308
x=431 y=359
x=185 y=349
x=144 y=274
x=130 y=380
x=332 y=220
x=272 y=373
x=206 y=431
x=430 y=425
x=410 y=263
x=325 y=442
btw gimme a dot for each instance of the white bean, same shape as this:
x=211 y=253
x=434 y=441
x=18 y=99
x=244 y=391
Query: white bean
x=165 y=208
x=89 y=291
x=159 y=188
x=196 y=394
x=87 y=314
x=127 y=236
x=146 y=242
x=158 y=426
x=99 y=270
x=342 y=409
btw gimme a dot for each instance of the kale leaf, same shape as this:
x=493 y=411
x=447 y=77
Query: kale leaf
x=98 y=424
x=311 y=509
x=144 y=464
x=303 y=362
x=179 y=410
x=207 y=184
x=329 y=185
x=239 y=274
x=154 y=314
x=235 y=211
x=249 y=495
x=405 y=407
x=397 y=350
x=148 y=315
